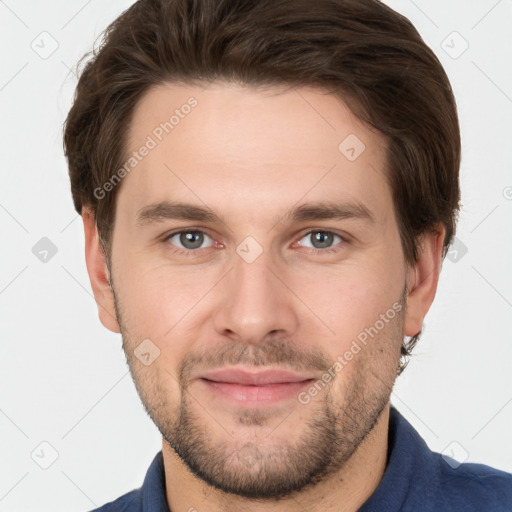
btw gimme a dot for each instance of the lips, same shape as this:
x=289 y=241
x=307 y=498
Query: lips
x=254 y=388
x=255 y=378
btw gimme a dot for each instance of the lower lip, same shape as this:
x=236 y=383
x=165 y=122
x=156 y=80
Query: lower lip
x=256 y=395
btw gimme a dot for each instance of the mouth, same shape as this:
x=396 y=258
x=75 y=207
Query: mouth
x=258 y=388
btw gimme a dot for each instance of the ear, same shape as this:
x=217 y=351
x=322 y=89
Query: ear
x=422 y=279
x=98 y=272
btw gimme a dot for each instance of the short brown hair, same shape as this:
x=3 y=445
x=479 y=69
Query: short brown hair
x=369 y=55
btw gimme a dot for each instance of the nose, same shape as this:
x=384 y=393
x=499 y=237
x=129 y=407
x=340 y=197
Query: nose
x=256 y=302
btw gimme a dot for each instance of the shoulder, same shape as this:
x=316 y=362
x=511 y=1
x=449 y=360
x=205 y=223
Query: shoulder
x=472 y=486
x=129 y=502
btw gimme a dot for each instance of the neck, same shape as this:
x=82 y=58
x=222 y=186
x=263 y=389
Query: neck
x=345 y=490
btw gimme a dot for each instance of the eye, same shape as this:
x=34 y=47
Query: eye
x=189 y=240
x=321 y=241
x=192 y=241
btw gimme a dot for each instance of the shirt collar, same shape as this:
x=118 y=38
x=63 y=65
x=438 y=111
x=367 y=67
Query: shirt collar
x=154 y=498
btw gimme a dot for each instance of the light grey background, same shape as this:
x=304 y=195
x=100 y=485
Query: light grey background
x=63 y=376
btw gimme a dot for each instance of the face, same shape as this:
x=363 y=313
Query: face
x=259 y=281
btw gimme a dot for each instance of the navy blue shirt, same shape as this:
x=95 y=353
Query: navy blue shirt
x=416 y=479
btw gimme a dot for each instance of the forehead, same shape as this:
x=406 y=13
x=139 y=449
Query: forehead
x=248 y=150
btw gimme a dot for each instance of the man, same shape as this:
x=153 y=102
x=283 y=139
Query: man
x=268 y=190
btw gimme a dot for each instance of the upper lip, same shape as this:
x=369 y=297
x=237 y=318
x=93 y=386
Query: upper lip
x=254 y=377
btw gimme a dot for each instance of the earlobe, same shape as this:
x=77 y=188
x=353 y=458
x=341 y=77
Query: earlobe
x=98 y=273
x=422 y=280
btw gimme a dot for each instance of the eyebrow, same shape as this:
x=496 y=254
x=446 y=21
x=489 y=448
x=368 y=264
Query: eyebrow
x=168 y=210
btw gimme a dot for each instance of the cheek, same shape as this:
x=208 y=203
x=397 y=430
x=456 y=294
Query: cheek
x=158 y=301
x=350 y=298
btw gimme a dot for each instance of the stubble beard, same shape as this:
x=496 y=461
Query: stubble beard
x=276 y=466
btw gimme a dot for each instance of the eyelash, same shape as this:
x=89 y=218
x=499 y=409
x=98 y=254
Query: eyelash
x=194 y=252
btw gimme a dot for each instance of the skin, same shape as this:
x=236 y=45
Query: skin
x=251 y=155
